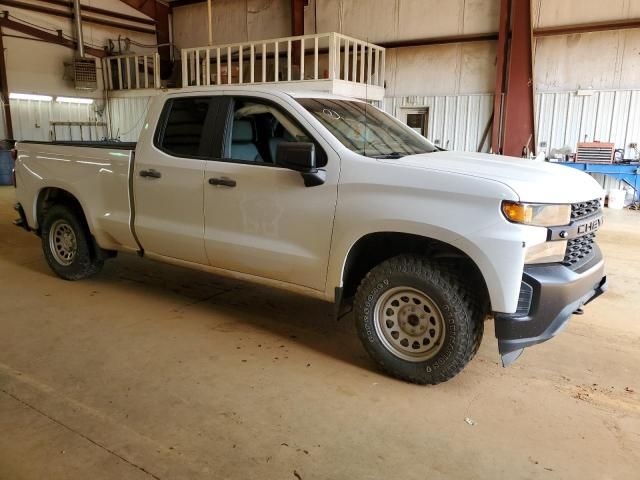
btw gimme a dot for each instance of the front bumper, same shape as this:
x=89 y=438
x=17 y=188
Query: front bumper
x=549 y=295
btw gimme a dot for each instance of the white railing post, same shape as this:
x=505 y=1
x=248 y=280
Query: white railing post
x=197 y=62
x=264 y=62
x=146 y=71
x=362 y=59
x=277 y=61
x=207 y=69
x=334 y=46
x=218 y=68
x=315 y=56
x=346 y=59
x=229 y=64
x=185 y=77
x=156 y=70
x=369 y=59
x=302 y=58
x=240 y=65
x=382 y=68
x=252 y=52
x=137 y=72
x=354 y=67
x=289 y=60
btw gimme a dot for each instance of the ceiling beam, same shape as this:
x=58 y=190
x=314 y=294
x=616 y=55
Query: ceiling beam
x=587 y=27
x=35 y=32
x=102 y=11
x=68 y=14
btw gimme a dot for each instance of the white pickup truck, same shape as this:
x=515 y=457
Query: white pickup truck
x=335 y=199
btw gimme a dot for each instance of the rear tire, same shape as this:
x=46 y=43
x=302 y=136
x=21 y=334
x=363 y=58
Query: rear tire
x=68 y=245
x=417 y=319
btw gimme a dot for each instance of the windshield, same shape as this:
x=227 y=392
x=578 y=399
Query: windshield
x=366 y=130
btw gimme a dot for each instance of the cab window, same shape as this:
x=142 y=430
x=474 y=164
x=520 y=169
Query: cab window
x=258 y=127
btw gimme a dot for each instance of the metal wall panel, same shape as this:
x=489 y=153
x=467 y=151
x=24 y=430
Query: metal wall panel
x=456 y=122
x=564 y=118
x=32 y=120
x=127 y=116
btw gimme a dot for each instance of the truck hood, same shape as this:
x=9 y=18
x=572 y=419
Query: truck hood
x=531 y=180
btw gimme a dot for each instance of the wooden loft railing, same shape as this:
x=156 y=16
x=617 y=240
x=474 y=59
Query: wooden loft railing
x=325 y=56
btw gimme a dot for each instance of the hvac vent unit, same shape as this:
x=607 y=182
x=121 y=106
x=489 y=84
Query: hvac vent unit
x=595 y=152
x=85 y=74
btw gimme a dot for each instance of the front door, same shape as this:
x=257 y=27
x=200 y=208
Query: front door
x=260 y=219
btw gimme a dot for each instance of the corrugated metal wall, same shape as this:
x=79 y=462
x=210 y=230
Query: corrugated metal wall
x=456 y=122
x=32 y=119
x=564 y=118
x=127 y=117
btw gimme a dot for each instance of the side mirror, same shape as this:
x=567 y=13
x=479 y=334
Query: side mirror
x=301 y=157
x=297 y=156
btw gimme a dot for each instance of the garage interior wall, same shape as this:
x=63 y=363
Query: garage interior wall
x=38 y=67
x=452 y=83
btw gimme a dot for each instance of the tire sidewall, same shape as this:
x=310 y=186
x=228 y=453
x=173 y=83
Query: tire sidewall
x=83 y=264
x=446 y=361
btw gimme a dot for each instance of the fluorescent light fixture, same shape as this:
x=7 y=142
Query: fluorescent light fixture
x=30 y=96
x=86 y=101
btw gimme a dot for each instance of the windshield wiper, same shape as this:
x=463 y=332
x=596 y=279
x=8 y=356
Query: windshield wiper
x=391 y=155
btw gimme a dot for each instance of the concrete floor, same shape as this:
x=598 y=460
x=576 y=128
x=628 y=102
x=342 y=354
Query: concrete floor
x=152 y=371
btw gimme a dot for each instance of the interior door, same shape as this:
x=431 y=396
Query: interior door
x=168 y=180
x=260 y=219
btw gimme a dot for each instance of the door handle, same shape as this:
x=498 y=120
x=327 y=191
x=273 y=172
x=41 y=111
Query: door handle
x=224 y=181
x=151 y=173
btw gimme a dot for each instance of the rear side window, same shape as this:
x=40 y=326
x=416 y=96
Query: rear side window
x=185 y=120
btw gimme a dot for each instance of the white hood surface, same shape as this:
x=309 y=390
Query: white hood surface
x=533 y=181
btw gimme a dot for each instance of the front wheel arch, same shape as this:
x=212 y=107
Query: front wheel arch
x=374 y=248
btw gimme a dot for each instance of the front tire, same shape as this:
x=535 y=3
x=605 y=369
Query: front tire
x=67 y=244
x=417 y=319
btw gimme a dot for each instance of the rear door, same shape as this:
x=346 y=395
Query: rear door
x=168 y=179
x=260 y=219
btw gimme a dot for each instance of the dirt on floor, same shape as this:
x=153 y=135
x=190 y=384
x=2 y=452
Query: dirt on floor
x=152 y=371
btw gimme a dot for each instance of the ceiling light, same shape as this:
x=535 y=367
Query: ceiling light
x=86 y=101
x=30 y=96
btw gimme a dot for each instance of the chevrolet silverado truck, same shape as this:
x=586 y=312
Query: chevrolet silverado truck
x=333 y=198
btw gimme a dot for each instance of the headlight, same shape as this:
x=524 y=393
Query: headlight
x=538 y=214
x=547 y=252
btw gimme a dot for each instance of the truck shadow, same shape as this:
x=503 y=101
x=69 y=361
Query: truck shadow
x=237 y=306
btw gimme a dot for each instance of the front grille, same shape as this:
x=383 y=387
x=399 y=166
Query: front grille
x=584 y=209
x=579 y=250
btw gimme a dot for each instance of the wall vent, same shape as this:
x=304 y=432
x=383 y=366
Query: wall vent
x=85 y=74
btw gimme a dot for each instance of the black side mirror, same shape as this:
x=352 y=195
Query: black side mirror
x=301 y=157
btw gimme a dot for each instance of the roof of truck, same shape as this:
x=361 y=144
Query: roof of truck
x=261 y=87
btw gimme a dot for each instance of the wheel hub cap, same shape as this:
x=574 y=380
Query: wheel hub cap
x=409 y=323
x=62 y=240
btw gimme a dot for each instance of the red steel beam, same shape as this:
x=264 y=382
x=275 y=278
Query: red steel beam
x=4 y=91
x=47 y=36
x=297 y=28
x=518 y=115
x=501 y=74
